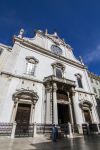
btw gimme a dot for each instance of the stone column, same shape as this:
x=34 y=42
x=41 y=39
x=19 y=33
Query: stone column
x=35 y=130
x=32 y=114
x=55 y=110
x=70 y=131
x=48 y=106
x=13 y=130
x=70 y=109
x=76 y=116
x=74 y=105
x=14 y=111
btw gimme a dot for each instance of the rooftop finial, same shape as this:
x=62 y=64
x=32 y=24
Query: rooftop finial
x=21 y=33
x=81 y=60
x=46 y=31
x=55 y=33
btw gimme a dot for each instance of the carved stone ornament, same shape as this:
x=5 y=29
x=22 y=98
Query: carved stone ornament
x=85 y=104
x=26 y=95
x=82 y=97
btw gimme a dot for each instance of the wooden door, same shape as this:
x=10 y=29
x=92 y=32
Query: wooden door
x=22 y=119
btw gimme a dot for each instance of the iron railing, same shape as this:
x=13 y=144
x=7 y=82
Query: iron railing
x=6 y=129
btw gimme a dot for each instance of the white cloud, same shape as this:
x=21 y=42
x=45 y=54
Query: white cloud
x=93 y=55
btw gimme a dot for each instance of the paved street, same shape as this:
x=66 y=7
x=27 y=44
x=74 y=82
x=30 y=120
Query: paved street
x=79 y=143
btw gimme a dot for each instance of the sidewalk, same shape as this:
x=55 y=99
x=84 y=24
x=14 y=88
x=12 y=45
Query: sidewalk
x=79 y=143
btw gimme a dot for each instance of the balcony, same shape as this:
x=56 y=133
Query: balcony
x=53 y=78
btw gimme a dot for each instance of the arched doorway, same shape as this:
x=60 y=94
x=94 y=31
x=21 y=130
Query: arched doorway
x=86 y=107
x=24 y=103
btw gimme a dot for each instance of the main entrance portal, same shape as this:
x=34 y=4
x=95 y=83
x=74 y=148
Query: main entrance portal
x=63 y=113
x=22 y=120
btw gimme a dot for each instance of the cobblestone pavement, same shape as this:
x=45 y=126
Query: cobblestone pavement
x=79 y=143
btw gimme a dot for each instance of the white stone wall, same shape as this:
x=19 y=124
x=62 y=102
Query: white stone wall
x=15 y=64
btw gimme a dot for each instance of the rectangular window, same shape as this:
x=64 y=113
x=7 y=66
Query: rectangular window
x=1 y=50
x=30 y=68
x=79 y=82
x=58 y=73
x=96 y=82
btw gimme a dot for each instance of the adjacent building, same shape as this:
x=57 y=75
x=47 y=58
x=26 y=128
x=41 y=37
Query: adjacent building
x=42 y=83
x=95 y=82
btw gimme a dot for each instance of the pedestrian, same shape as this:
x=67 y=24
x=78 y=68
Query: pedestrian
x=65 y=130
x=54 y=133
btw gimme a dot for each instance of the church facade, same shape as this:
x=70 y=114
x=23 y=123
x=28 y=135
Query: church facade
x=42 y=83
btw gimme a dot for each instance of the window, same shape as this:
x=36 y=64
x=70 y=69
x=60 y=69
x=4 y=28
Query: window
x=96 y=82
x=79 y=80
x=30 y=69
x=94 y=90
x=1 y=50
x=56 y=50
x=31 y=65
x=79 y=83
x=59 y=72
x=58 y=69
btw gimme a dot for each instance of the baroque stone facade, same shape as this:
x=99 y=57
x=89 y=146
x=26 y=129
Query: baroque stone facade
x=42 y=83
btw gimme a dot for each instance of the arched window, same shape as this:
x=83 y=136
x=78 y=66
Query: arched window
x=79 y=80
x=31 y=65
x=86 y=107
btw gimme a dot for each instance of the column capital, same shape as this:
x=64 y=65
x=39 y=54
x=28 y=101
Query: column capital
x=73 y=91
x=48 y=88
x=55 y=87
x=68 y=93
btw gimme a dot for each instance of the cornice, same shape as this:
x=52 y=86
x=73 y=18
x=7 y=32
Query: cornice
x=54 y=38
x=43 y=50
x=94 y=76
x=9 y=48
x=80 y=91
x=53 y=78
x=20 y=77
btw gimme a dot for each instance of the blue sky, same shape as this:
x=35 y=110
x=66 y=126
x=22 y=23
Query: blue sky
x=77 y=21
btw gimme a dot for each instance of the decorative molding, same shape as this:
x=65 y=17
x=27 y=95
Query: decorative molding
x=58 y=64
x=53 y=78
x=20 y=77
x=94 y=76
x=32 y=59
x=40 y=49
x=80 y=91
x=9 y=48
x=82 y=96
x=54 y=37
x=85 y=104
x=26 y=95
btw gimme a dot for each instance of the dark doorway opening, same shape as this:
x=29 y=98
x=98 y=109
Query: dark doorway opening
x=87 y=116
x=63 y=114
x=22 y=119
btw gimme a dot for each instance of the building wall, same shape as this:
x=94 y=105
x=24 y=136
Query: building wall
x=13 y=77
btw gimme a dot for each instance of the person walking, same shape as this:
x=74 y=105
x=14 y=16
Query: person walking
x=54 y=133
x=65 y=130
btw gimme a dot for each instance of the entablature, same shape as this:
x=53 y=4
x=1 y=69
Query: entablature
x=53 y=78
